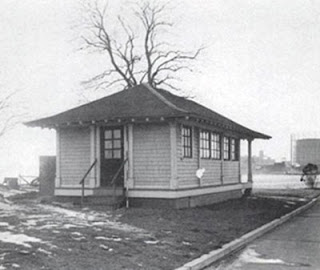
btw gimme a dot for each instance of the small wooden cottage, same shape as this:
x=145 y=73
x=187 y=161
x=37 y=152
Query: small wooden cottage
x=158 y=148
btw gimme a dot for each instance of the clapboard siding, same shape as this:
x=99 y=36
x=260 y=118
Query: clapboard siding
x=151 y=155
x=231 y=172
x=187 y=167
x=212 y=174
x=74 y=154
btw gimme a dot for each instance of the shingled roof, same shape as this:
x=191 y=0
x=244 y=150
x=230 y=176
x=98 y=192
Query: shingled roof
x=141 y=102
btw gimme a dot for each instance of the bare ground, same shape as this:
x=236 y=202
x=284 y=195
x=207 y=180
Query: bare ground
x=129 y=238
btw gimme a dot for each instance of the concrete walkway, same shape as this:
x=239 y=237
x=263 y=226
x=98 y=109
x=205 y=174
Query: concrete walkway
x=294 y=245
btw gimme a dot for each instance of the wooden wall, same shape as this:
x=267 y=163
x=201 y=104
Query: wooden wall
x=151 y=155
x=187 y=167
x=74 y=155
x=231 y=172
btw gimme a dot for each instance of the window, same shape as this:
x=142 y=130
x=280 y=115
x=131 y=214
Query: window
x=234 y=149
x=215 y=146
x=112 y=144
x=226 y=148
x=204 y=144
x=187 y=141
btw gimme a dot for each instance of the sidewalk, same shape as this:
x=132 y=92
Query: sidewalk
x=294 y=245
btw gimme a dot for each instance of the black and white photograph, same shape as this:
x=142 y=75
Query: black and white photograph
x=159 y=134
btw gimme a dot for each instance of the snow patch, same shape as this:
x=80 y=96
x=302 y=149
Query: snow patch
x=5 y=206
x=44 y=251
x=151 y=242
x=4 y=224
x=76 y=233
x=18 y=239
x=68 y=226
x=106 y=248
x=251 y=256
x=113 y=238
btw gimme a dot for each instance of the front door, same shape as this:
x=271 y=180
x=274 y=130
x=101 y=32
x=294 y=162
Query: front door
x=111 y=155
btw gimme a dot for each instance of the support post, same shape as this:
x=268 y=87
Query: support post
x=239 y=158
x=92 y=176
x=98 y=157
x=250 y=160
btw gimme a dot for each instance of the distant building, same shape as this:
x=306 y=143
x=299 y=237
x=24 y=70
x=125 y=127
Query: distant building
x=307 y=151
x=258 y=162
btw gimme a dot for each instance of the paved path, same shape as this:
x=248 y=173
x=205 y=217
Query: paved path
x=294 y=245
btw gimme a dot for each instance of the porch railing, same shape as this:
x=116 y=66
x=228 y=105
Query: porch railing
x=82 y=182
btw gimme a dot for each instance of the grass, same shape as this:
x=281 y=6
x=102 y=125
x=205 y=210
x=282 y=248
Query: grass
x=170 y=237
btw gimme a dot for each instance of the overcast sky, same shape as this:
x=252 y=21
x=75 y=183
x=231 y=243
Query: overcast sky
x=260 y=68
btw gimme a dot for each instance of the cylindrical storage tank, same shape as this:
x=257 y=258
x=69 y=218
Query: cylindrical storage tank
x=308 y=151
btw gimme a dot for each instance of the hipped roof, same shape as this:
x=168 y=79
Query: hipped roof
x=141 y=102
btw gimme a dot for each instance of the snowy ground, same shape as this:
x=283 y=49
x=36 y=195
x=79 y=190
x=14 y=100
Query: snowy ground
x=34 y=230
x=50 y=236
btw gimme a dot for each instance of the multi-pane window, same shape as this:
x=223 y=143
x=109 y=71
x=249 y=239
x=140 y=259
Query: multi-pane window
x=215 y=146
x=187 y=141
x=234 y=149
x=204 y=144
x=112 y=144
x=226 y=148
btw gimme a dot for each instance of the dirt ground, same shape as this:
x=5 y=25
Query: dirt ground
x=42 y=236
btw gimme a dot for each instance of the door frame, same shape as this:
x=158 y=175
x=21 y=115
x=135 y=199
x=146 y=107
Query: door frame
x=101 y=153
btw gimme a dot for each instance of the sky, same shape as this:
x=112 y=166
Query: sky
x=260 y=67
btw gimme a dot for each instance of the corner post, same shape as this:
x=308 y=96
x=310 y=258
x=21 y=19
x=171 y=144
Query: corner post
x=222 y=157
x=173 y=155
x=92 y=176
x=58 y=159
x=130 y=156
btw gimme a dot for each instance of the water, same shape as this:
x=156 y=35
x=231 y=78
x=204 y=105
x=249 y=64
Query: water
x=272 y=181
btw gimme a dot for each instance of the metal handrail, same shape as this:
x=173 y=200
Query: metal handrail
x=84 y=178
x=114 y=178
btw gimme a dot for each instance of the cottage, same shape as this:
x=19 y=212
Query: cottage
x=157 y=148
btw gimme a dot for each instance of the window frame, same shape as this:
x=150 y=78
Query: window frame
x=226 y=148
x=215 y=148
x=205 y=144
x=187 y=141
x=234 y=149
x=110 y=143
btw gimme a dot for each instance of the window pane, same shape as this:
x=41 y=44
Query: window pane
x=116 y=144
x=107 y=134
x=117 y=134
x=107 y=144
x=108 y=154
x=117 y=154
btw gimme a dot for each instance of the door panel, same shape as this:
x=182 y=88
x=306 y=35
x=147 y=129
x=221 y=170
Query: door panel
x=111 y=155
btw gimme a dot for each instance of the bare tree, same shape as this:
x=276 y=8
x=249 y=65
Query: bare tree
x=141 y=56
x=8 y=118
